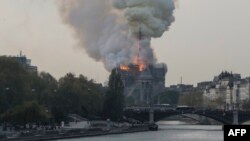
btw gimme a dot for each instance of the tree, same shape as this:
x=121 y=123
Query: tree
x=114 y=98
x=15 y=84
x=77 y=95
x=192 y=99
x=167 y=97
x=216 y=103
x=70 y=94
x=44 y=87
x=28 y=112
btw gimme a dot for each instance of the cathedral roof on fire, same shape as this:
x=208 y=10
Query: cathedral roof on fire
x=145 y=75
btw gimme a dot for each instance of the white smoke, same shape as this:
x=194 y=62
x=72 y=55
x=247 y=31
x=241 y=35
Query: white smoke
x=109 y=29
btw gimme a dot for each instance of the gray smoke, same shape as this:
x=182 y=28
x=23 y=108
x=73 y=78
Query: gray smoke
x=109 y=29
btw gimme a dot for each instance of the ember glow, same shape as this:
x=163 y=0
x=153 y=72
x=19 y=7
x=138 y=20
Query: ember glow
x=137 y=61
x=140 y=66
x=124 y=68
x=140 y=63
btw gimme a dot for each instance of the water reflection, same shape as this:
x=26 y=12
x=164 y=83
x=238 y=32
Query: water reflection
x=168 y=130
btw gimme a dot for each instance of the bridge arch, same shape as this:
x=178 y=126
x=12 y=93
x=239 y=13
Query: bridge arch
x=225 y=117
x=201 y=119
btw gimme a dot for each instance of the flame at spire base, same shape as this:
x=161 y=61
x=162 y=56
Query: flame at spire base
x=124 y=67
x=137 y=64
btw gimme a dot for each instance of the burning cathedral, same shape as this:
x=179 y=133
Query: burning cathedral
x=143 y=83
x=119 y=33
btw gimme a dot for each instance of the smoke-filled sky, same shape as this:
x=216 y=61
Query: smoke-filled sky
x=113 y=31
x=207 y=36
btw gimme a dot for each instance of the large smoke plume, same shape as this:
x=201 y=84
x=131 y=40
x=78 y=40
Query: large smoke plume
x=109 y=29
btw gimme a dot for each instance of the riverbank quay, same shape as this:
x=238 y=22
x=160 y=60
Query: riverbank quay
x=79 y=133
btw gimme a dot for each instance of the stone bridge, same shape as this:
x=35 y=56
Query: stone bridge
x=225 y=117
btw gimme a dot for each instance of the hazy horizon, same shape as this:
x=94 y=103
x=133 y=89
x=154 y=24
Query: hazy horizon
x=207 y=37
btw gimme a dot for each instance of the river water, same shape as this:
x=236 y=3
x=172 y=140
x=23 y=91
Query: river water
x=168 y=131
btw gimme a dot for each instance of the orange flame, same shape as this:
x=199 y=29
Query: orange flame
x=139 y=63
x=124 y=68
x=141 y=66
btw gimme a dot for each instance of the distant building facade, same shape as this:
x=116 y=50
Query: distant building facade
x=182 y=88
x=227 y=90
x=25 y=62
x=204 y=85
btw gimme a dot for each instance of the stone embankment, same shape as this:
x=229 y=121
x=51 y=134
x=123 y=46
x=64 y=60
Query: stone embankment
x=79 y=133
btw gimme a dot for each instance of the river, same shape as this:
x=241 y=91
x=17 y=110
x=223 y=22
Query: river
x=168 y=131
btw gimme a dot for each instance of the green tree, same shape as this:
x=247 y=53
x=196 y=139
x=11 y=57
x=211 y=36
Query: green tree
x=216 y=103
x=70 y=94
x=44 y=87
x=192 y=99
x=77 y=95
x=28 y=112
x=15 y=84
x=167 y=97
x=114 y=98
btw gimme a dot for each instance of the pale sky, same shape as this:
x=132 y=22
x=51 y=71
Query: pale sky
x=208 y=36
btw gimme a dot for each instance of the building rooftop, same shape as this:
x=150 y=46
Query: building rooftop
x=25 y=62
